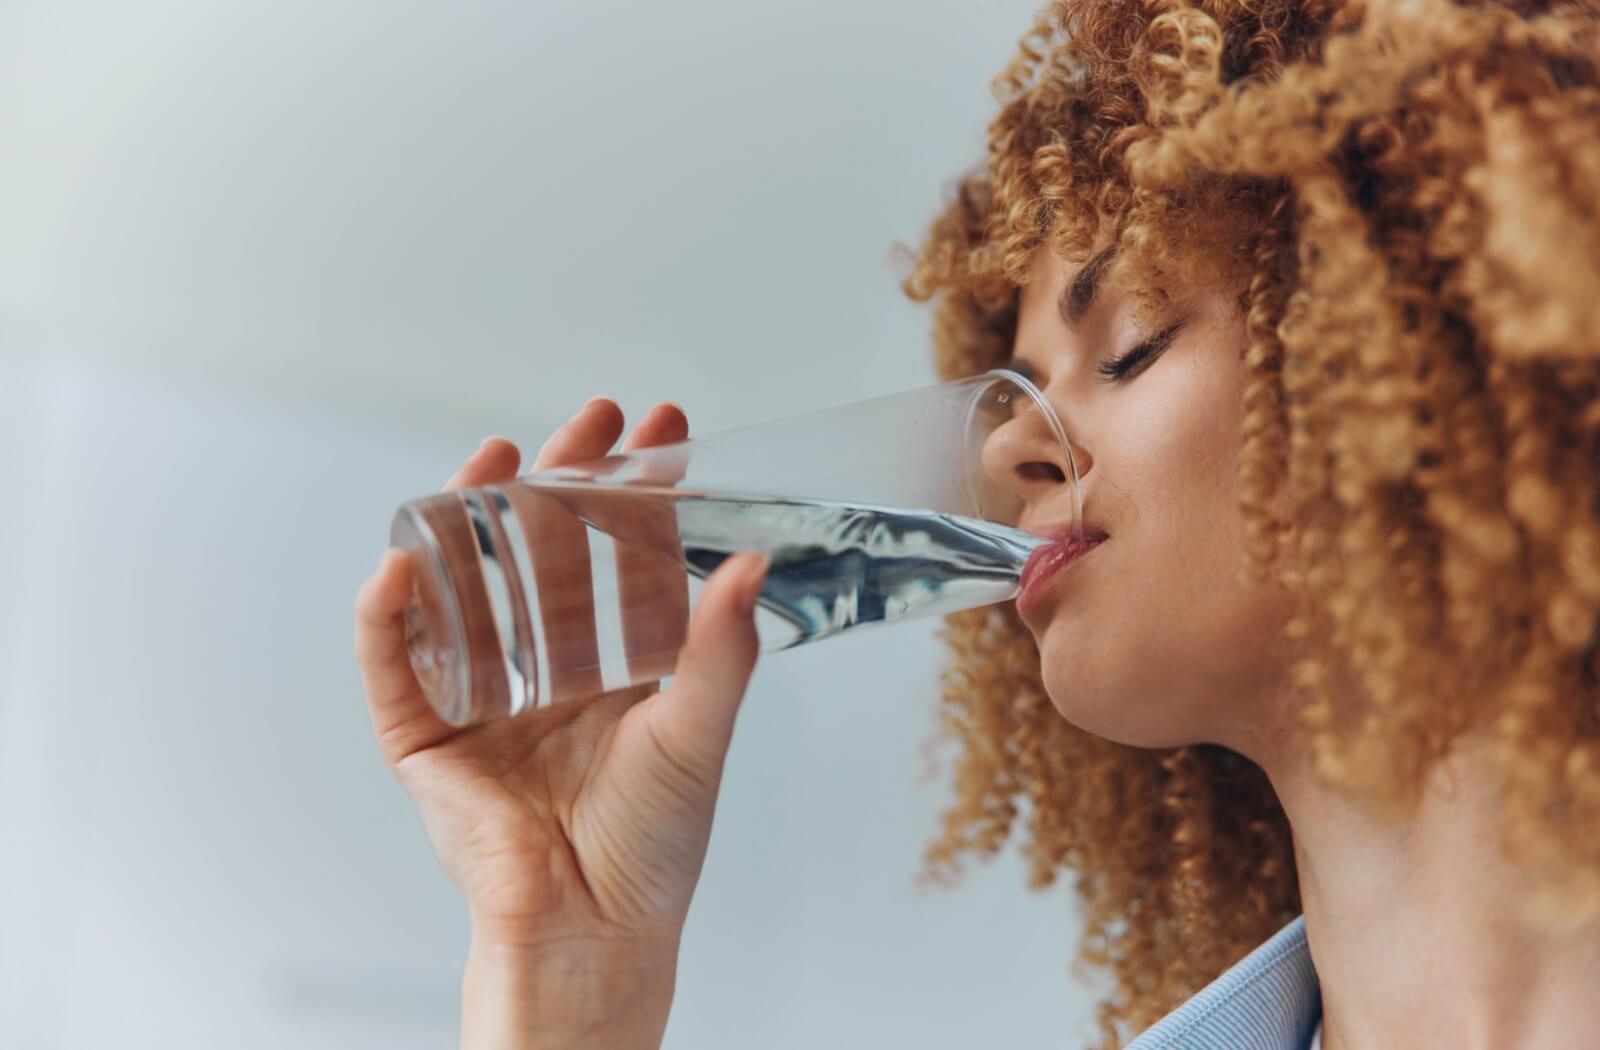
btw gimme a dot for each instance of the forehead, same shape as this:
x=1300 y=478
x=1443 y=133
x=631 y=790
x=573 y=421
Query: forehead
x=1046 y=267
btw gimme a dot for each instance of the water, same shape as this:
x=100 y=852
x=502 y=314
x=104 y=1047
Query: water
x=837 y=566
x=587 y=586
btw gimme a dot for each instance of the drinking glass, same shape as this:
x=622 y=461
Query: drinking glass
x=574 y=580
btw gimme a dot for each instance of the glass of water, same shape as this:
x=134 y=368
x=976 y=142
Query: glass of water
x=574 y=580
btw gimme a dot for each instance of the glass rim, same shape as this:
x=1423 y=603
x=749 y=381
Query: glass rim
x=1045 y=407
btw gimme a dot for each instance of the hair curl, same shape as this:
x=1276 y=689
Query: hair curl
x=1407 y=196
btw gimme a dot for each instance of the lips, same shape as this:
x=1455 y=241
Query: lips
x=1051 y=558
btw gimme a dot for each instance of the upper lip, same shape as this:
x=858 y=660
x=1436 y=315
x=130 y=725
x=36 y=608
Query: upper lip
x=1062 y=530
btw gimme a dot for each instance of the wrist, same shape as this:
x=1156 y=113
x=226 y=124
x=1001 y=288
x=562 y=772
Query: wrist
x=555 y=993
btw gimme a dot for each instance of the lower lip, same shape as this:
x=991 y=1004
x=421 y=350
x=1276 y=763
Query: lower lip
x=1044 y=565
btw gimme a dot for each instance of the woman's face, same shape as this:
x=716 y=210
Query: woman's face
x=1152 y=639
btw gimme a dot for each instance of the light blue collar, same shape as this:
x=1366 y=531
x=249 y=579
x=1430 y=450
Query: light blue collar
x=1269 y=1000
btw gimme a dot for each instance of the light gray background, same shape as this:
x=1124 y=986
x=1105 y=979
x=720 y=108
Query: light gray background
x=267 y=270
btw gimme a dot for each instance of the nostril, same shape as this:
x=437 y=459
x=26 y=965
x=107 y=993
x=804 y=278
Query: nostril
x=1040 y=471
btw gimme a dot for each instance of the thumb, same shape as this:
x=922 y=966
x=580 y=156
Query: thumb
x=692 y=720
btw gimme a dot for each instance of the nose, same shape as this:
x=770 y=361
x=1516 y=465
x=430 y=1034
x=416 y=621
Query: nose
x=1023 y=457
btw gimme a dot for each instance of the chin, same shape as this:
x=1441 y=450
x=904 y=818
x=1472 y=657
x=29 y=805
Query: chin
x=1092 y=695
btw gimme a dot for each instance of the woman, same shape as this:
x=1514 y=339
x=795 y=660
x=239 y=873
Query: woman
x=1315 y=729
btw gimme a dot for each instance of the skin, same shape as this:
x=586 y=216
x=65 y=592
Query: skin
x=576 y=831
x=1155 y=457
x=1155 y=641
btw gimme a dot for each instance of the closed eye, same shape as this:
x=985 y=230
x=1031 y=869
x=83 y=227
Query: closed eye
x=1124 y=364
x=1117 y=367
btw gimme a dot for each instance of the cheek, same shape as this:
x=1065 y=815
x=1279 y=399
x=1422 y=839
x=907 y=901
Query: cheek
x=1164 y=648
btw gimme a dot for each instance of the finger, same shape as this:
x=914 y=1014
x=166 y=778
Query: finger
x=693 y=719
x=558 y=544
x=401 y=717
x=652 y=584
x=495 y=460
x=640 y=459
x=664 y=424
x=587 y=435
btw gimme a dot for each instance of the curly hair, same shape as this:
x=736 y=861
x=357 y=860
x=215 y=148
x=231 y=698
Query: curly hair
x=1407 y=198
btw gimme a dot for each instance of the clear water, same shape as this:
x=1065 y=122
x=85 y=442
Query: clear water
x=581 y=585
x=837 y=566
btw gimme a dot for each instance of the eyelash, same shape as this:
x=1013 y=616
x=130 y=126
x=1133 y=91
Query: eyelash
x=1120 y=366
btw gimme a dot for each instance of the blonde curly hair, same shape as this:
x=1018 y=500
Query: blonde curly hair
x=1407 y=196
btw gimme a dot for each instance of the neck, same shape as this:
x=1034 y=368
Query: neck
x=1413 y=930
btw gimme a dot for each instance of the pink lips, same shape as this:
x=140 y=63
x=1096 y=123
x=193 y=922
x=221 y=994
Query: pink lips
x=1046 y=561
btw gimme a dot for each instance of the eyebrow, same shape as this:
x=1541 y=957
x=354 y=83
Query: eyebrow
x=1080 y=294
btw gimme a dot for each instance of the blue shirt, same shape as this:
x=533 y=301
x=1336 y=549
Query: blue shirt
x=1269 y=1000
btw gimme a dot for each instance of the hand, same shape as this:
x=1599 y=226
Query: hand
x=584 y=823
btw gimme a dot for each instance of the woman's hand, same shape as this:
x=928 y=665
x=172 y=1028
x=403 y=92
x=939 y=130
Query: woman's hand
x=576 y=831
